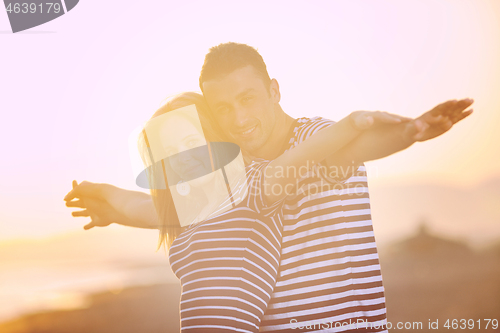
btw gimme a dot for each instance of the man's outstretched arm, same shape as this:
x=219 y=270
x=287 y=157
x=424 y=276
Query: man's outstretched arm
x=387 y=139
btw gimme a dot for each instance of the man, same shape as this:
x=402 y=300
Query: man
x=329 y=278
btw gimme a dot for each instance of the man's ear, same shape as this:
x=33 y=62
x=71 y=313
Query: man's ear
x=274 y=89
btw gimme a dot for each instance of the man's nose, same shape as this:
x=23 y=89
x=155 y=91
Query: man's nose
x=240 y=117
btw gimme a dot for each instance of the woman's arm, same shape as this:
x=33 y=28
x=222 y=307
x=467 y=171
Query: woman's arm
x=106 y=204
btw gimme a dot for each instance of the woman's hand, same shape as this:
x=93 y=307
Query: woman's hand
x=363 y=120
x=92 y=198
x=106 y=204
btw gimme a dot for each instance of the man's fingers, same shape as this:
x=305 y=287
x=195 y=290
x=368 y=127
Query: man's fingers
x=451 y=113
x=81 y=213
x=462 y=116
x=449 y=110
x=460 y=106
x=451 y=107
x=443 y=108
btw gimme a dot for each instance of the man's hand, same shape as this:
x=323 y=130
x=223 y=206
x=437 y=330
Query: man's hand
x=384 y=140
x=437 y=121
x=91 y=198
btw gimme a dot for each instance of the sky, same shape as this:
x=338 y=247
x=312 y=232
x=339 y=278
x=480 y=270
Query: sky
x=74 y=89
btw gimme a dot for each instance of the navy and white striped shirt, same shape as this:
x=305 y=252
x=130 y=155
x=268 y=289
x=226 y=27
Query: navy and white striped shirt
x=228 y=264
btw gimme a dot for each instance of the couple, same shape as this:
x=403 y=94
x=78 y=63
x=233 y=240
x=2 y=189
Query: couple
x=296 y=261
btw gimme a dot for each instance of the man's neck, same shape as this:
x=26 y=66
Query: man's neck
x=272 y=148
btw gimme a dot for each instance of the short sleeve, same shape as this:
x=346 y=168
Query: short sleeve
x=255 y=182
x=329 y=174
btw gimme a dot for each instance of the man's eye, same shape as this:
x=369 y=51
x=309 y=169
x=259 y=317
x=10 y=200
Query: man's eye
x=246 y=100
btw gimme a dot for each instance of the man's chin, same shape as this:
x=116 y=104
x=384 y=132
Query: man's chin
x=250 y=146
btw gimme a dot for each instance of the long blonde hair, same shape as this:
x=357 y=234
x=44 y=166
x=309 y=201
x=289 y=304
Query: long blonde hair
x=169 y=225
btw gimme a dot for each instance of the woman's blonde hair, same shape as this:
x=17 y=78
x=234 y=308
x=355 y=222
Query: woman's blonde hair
x=169 y=225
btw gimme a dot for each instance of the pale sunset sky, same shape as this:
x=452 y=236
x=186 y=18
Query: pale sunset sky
x=75 y=88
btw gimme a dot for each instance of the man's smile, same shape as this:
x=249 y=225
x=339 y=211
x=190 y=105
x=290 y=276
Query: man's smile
x=246 y=133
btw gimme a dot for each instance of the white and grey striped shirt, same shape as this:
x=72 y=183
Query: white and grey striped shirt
x=329 y=271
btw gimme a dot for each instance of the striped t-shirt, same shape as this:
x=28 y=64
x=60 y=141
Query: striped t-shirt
x=228 y=264
x=329 y=277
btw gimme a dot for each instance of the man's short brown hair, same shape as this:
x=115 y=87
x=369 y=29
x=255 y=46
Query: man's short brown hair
x=228 y=57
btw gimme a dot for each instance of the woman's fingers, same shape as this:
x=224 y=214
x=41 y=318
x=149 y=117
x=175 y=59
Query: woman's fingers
x=385 y=117
x=389 y=118
x=84 y=213
x=76 y=203
x=420 y=127
x=361 y=120
x=84 y=189
x=412 y=128
x=396 y=118
x=89 y=225
x=364 y=121
x=71 y=193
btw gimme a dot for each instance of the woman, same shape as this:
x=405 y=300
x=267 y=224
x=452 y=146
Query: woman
x=226 y=259
x=227 y=264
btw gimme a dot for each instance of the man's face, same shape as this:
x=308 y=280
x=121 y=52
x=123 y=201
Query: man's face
x=243 y=106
